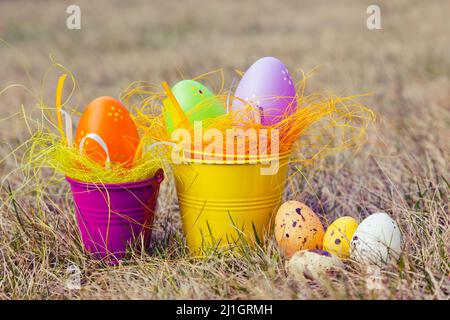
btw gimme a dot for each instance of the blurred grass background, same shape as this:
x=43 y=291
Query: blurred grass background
x=403 y=169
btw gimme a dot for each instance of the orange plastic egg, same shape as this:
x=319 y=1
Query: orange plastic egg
x=110 y=120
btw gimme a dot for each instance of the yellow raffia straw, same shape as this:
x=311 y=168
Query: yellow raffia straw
x=324 y=124
x=58 y=98
x=47 y=149
x=174 y=106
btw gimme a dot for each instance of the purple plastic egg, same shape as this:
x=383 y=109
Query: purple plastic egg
x=268 y=87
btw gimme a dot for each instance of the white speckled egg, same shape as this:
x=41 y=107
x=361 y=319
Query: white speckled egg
x=377 y=240
x=313 y=264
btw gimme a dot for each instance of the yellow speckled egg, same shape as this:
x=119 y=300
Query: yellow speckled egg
x=297 y=228
x=314 y=265
x=339 y=235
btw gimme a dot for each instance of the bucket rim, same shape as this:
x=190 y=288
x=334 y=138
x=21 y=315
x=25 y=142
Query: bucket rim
x=158 y=176
x=245 y=161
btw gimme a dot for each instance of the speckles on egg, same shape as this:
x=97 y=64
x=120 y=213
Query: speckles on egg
x=377 y=240
x=313 y=264
x=286 y=76
x=338 y=236
x=303 y=226
x=299 y=212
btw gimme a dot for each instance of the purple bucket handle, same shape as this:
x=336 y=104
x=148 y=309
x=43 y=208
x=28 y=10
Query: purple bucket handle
x=159 y=175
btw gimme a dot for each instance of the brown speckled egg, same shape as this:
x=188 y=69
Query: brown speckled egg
x=313 y=265
x=297 y=228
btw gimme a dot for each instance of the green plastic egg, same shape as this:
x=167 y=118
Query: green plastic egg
x=197 y=102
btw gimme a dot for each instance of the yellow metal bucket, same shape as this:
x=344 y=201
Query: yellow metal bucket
x=224 y=204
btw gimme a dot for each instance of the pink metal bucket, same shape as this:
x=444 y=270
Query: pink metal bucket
x=112 y=217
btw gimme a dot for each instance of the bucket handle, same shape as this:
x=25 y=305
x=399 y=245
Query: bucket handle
x=159 y=175
x=102 y=144
x=67 y=126
x=228 y=104
x=60 y=113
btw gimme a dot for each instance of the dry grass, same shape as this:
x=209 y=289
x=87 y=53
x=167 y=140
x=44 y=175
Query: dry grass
x=403 y=169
